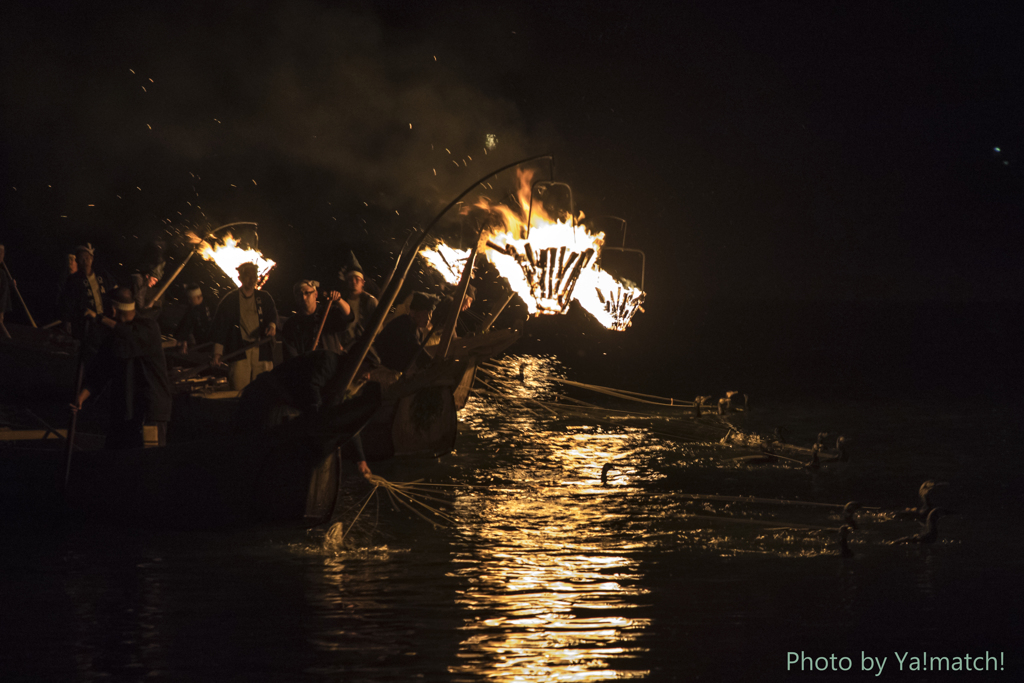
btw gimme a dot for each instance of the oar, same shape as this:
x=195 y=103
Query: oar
x=16 y=291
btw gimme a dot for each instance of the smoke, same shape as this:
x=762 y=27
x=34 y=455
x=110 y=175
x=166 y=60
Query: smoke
x=327 y=123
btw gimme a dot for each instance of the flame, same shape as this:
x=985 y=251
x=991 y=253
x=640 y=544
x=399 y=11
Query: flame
x=227 y=255
x=447 y=261
x=548 y=263
x=612 y=302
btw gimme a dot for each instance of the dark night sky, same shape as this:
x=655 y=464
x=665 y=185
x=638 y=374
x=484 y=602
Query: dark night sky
x=775 y=150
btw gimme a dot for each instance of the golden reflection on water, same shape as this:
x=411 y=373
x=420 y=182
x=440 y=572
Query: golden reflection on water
x=547 y=589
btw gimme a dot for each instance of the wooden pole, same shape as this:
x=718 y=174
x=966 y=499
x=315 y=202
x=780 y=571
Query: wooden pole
x=15 y=286
x=460 y=295
x=69 y=443
x=165 y=285
x=230 y=357
x=494 y=315
x=323 y=321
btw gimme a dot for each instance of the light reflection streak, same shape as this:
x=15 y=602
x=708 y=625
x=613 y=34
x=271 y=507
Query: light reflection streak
x=546 y=564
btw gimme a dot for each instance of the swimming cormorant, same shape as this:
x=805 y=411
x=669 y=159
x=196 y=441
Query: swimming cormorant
x=604 y=473
x=925 y=491
x=849 y=510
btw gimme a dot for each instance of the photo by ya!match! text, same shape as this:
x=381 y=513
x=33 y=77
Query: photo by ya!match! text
x=895 y=663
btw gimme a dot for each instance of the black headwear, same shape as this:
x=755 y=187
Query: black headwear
x=422 y=302
x=351 y=265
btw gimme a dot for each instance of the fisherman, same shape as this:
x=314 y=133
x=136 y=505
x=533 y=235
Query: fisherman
x=361 y=303
x=6 y=287
x=468 y=322
x=296 y=388
x=243 y=317
x=84 y=292
x=143 y=284
x=195 y=326
x=308 y=329
x=401 y=342
x=131 y=361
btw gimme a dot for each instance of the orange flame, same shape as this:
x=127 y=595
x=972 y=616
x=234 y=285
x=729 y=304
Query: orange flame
x=227 y=256
x=548 y=263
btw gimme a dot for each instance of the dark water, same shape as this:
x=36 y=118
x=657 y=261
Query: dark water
x=545 y=574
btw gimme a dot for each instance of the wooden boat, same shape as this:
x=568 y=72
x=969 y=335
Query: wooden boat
x=419 y=413
x=286 y=475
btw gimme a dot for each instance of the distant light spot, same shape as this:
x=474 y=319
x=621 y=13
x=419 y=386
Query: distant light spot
x=997 y=150
x=491 y=141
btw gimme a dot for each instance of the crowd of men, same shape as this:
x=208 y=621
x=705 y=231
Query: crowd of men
x=123 y=349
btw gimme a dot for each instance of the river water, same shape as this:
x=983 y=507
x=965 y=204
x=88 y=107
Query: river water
x=533 y=570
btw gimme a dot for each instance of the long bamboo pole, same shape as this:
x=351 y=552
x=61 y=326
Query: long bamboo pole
x=494 y=314
x=16 y=291
x=448 y=332
x=323 y=321
x=165 y=285
x=69 y=443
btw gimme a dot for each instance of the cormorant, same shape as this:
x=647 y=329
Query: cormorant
x=931 y=529
x=925 y=491
x=604 y=473
x=522 y=372
x=849 y=510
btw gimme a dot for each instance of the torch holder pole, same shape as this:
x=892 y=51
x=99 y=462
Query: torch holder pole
x=167 y=283
x=16 y=291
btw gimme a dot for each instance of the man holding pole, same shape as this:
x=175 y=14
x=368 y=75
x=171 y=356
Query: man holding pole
x=361 y=303
x=83 y=294
x=315 y=327
x=131 y=361
x=242 y=318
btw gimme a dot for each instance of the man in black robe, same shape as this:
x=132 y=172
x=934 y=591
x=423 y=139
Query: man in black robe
x=84 y=292
x=401 y=341
x=131 y=362
x=196 y=325
x=143 y=284
x=299 y=334
x=361 y=303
